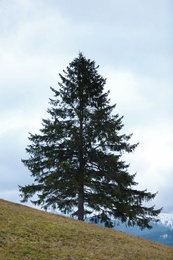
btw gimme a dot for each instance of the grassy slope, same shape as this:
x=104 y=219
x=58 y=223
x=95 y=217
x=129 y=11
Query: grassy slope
x=27 y=233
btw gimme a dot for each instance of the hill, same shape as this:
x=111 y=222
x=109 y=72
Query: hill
x=27 y=233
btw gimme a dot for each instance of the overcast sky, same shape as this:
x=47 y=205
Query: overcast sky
x=132 y=43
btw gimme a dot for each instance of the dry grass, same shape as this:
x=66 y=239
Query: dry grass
x=27 y=233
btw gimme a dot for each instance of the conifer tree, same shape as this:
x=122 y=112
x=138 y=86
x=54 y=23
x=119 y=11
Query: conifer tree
x=76 y=160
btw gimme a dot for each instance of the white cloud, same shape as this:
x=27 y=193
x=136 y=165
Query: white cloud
x=125 y=88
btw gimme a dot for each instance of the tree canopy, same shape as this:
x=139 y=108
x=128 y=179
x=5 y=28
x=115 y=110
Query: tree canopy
x=76 y=159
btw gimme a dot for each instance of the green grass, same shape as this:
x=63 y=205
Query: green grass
x=27 y=233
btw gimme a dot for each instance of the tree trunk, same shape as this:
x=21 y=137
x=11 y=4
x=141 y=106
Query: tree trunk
x=81 y=160
x=81 y=181
x=81 y=203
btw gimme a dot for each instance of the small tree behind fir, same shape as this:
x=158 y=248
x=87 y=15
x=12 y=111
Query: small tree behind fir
x=76 y=160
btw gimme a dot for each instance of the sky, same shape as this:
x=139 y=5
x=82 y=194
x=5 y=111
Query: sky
x=131 y=41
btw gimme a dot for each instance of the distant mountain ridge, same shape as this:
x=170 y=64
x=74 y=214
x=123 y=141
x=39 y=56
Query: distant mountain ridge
x=166 y=219
x=161 y=232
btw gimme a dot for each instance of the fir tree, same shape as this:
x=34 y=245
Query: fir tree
x=76 y=160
